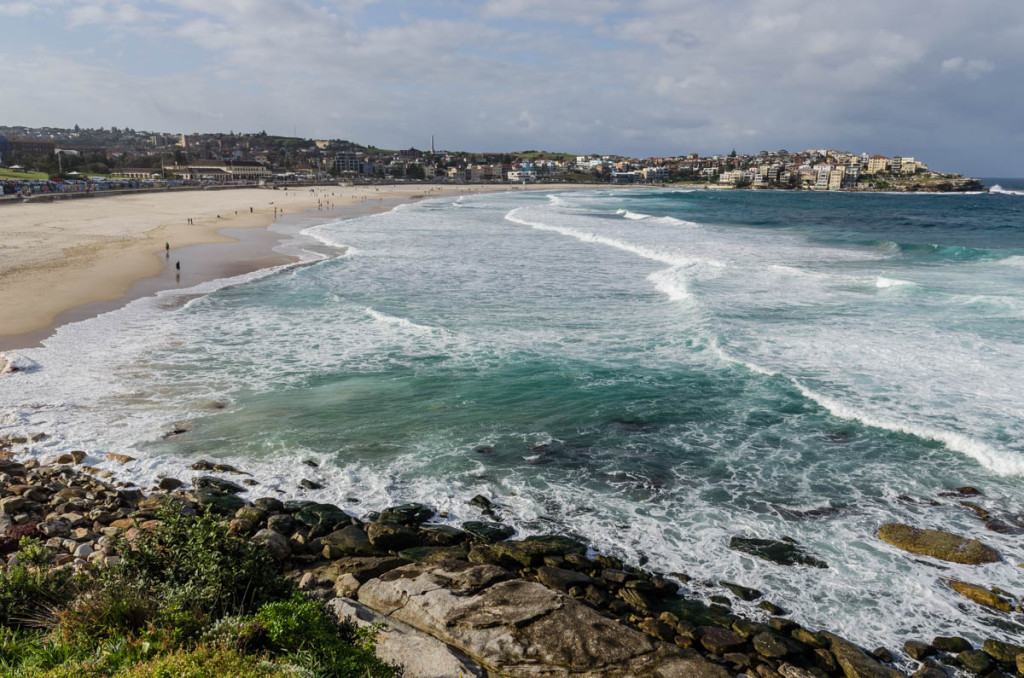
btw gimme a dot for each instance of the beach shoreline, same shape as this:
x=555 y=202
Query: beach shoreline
x=65 y=261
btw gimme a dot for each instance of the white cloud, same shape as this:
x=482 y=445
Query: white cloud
x=972 y=69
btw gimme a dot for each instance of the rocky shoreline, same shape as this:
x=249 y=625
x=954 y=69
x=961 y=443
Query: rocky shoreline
x=477 y=602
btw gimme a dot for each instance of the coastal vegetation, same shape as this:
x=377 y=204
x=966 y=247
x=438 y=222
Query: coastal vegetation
x=183 y=597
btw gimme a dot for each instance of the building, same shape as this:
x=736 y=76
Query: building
x=878 y=164
x=347 y=161
x=220 y=172
x=31 y=146
x=835 y=179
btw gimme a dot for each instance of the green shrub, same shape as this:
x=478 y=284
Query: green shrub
x=305 y=631
x=196 y=568
x=31 y=589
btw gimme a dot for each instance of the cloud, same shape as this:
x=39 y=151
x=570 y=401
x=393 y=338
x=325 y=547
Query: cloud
x=972 y=69
x=643 y=77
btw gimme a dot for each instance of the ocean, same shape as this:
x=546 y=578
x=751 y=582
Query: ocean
x=654 y=371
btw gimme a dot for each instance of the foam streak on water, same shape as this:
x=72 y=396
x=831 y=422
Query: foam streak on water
x=655 y=371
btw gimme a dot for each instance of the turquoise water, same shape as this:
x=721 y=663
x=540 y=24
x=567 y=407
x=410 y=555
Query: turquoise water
x=654 y=371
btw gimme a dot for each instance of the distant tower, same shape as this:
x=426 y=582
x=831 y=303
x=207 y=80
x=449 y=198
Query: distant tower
x=431 y=144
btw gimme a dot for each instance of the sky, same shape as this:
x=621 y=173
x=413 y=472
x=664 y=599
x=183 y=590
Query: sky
x=938 y=80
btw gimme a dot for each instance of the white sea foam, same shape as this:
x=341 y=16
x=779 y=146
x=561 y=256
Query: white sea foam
x=1002 y=462
x=669 y=283
x=1003 y=191
x=664 y=256
x=883 y=283
x=404 y=323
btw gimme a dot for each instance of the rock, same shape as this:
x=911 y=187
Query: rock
x=406 y=514
x=882 y=654
x=346 y=585
x=308 y=484
x=82 y=551
x=918 y=649
x=951 y=644
x=64 y=459
x=530 y=552
x=121 y=458
x=855 y=662
x=1020 y=664
x=779 y=552
x=809 y=639
x=488 y=532
x=419 y=655
x=392 y=537
x=790 y=671
x=282 y=523
x=269 y=504
x=78 y=456
x=218 y=502
x=975 y=661
x=980 y=595
x=219 y=484
x=770 y=645
x=771 y=608
x=742 y=592
x=433 y=554
x=520 y=628
x=1004 y=653
x=364 y=569
x=562 y=580
x=937 y=544
x=931 y=669
x=442 y=535
x=202 y=465
x=169 y=484
x=11 y=505
x=274 y=542
x=251 y=513
x=719 y=640
x=480 y=501
x=351 y=540
x=327 y=515
x=310 y=581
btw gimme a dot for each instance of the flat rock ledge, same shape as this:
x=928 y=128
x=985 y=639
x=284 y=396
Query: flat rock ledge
x=513 y=627
x=938 y=544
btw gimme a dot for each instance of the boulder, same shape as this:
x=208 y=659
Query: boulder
x=520 y=628
x=219 y=484
x=488 y=532
x=719 y=640
x=951 y=644
x=980 y=595
x=855 y=662
x=778 y=552
x=561 y=579
x=274 y=542
x=327 y=515
x=937 y=544
x=350 y=540
x=974 y=661
x=742 y=592
x=217 y=501
x=169 y=484
x=406 y=514
x=530 y=552
x=917 y=649
x=120 y=458
x=364 y=569
x=442 y=535
x=1004 y=653
x=392 y=536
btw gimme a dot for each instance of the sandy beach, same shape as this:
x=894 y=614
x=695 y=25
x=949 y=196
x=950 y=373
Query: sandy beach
x=65 y=260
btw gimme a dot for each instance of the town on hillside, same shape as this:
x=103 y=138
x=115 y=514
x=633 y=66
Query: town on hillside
x=48 y=159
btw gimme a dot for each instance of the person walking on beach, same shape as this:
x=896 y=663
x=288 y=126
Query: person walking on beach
x=167 y=249
x=177 y=265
